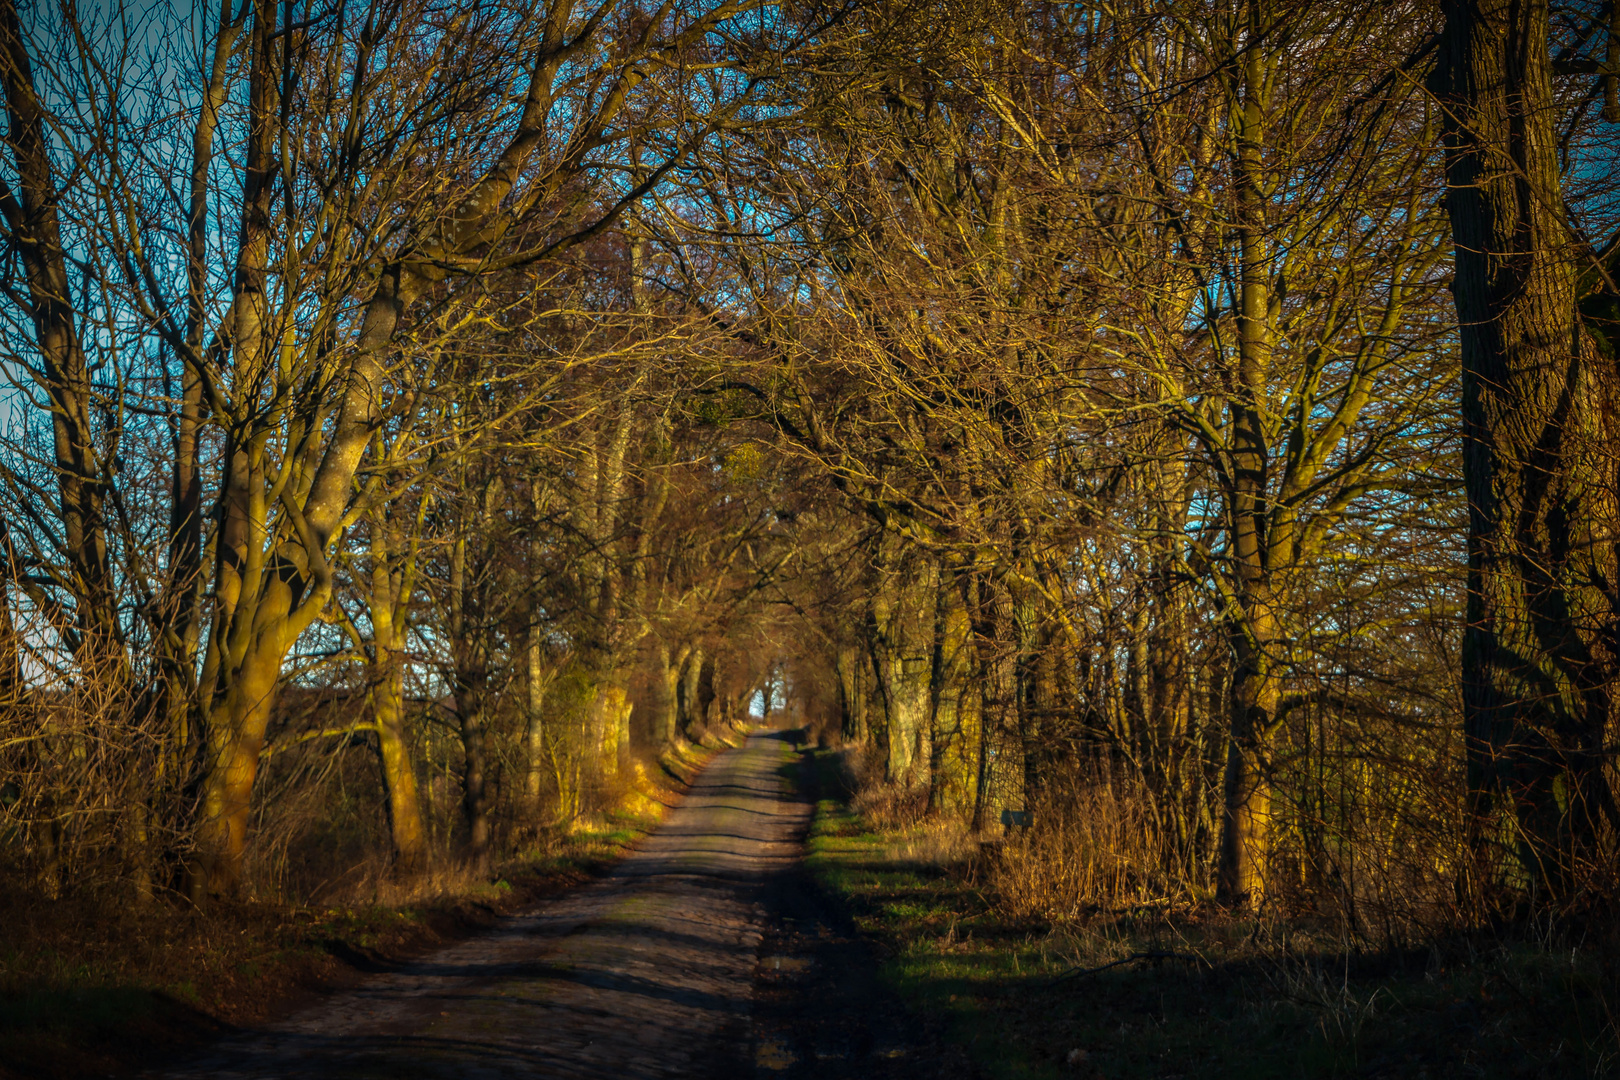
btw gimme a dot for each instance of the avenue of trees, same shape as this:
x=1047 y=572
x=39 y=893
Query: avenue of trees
x=1192 y=423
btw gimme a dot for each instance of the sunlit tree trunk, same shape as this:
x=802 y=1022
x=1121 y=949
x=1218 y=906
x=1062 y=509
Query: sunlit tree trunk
x=665 y=722
x=610 y=721
x=901 y=645
x=1253 y=627
x=853 y=667
x=688 y=703
x=598 y=514
x=392 y=583
x=253 y=622
x=534 y=729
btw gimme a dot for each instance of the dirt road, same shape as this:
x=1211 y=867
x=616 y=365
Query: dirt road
x=647 y=973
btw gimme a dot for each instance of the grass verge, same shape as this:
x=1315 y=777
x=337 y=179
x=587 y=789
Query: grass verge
x=96 y=988
x=1202 y=994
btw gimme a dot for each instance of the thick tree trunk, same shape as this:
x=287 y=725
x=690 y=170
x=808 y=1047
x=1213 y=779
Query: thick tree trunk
x=236 y=737
x=391 y=584
x=1000 y=781
x=1034 y=673
x=706 y=695
x=252 y=609
x=610 y=712
x=470 y=703
x=665 y=721
x=1246 y=821
x=688 y=699
x=947 y=783
x=901 y=639
x=853 y=667
x=405 y=823
x=1538 y=650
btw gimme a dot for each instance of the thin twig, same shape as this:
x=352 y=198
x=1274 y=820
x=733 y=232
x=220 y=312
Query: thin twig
x=1157 y=954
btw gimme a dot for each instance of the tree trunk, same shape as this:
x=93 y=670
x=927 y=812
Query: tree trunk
x=901 y=642
x=470 y=703
x=1000 y=782
x=534 y=732
x=665 y=721
x=471 y=658
x=33 y=229
x=1246 y=822
x=394 y=756
x=236 y=729
x=610 y=725
x=706 y=695
x=391 y=584
x=535 y=678
x=854 y=691
x=1538 y=660
x=688 y=702
x=1033 y=675
x=946 y=689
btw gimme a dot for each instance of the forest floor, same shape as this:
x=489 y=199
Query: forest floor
x=1202 y=994
x=97 y=989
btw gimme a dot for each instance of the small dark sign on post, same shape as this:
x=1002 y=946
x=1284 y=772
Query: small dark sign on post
x=1015 y=819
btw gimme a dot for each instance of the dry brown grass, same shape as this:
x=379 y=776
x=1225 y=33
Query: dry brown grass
x=1097 y=848
x=933 y=843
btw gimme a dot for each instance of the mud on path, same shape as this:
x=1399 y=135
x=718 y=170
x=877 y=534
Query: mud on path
x=646 y=973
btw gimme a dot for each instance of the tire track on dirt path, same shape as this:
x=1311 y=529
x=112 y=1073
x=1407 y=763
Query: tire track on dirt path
x=646 y=973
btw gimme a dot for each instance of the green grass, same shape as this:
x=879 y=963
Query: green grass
x=1254 y=1000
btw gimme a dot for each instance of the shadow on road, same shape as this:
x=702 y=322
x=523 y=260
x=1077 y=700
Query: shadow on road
x=820 y=1008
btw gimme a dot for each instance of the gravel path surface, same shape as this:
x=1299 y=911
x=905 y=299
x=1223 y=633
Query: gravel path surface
x=647 y=973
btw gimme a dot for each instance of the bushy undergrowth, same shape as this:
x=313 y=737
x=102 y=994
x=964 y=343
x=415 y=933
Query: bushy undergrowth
x=1008 y=940
x=1101 y=851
